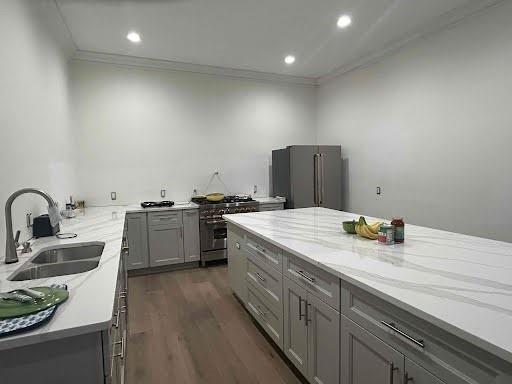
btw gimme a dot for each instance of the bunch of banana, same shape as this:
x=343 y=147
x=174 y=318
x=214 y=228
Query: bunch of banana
x=370 y=231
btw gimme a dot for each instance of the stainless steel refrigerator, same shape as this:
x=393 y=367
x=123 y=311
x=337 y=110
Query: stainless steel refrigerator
x=308 y=175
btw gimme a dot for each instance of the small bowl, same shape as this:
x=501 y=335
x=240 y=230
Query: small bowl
x=350 y=227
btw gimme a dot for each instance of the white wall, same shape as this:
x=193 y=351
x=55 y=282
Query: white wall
x=34 y=129
x=142 y=130
x=432 y=125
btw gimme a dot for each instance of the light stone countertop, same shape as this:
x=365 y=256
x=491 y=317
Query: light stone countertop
x=178 y=205
x=463 y=284
x=270 y=200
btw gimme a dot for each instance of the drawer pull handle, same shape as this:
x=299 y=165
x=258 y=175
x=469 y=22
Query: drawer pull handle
x=116 y=324
x=260 y=311
x=260 y=277
x=262 y=252
x=303 y=275
x=407 y=378
x=392 y=326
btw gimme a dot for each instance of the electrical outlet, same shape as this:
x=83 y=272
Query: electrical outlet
x=162 y=193
x=378 y=191
x=194 y=192
x=113 y=195
x=255 y=189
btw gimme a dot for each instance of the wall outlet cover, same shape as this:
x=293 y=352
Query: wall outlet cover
x=113 y=195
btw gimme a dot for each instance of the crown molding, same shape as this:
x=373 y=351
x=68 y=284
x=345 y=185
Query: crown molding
x=446 y=21
x=145 y=63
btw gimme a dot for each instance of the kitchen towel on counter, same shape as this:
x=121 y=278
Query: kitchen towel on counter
x=9 y=327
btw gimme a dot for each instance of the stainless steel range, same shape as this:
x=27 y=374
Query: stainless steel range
x=213 y=227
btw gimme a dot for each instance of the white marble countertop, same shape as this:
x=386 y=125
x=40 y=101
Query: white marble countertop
x=270 y=200
x=460 y=283
x=177 y=206
x=91 y=294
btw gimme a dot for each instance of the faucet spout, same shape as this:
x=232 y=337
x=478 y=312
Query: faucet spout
x=10 y=247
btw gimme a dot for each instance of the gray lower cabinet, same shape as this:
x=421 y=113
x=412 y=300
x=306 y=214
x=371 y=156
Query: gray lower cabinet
x=295 y=332
x=414 y=374
x=365 y=359
x=191 y=246
x=237 y=264
x=137 y=240
x=165 y=245
x=323 y=342
x=311 y=334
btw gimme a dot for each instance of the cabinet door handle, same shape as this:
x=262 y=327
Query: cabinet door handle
x=308 y=320
x=122 y=343
x=260 y=277
x=392 y=370
x=392 y=326
x=300 y=308
x=303 y=275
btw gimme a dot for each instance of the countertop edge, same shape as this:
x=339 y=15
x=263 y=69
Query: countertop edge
x=485 y=345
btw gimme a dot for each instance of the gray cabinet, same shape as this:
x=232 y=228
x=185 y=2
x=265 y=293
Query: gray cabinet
x=271 y=207
x=191 y=246
x=365 y=359
x=311 y=334
x=165 y=245
x=323 y=342
x=414 y=374
x=237 y=264
x=295 y=332
x=137 y=239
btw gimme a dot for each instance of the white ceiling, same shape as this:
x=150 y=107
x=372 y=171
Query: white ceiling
x=251 y=34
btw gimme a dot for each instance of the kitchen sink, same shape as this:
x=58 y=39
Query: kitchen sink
x=78 y=252
x=59 y=261
x=57 y=269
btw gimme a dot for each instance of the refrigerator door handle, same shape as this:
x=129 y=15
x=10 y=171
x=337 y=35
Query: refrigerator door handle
x=316 y=188
x=321 y=157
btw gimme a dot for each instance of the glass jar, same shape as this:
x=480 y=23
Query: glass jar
x=399 y=225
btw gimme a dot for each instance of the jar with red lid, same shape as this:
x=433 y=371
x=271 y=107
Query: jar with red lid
x=399 y=225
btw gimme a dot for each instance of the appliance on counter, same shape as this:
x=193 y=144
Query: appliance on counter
x=308 y=175
x=213 y=228
x=156 y=204
x=42 y=227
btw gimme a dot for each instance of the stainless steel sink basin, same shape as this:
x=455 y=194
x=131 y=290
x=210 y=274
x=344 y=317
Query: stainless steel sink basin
x=57 y=269
x=78 y=252
x=59 y=261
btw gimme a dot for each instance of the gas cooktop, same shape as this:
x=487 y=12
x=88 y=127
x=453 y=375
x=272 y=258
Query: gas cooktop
x=227 y=200
x=156 y=204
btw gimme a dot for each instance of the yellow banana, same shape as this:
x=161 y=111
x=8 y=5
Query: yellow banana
x=375 y=227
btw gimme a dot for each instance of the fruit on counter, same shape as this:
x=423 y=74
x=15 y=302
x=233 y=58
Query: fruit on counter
x=370 y=231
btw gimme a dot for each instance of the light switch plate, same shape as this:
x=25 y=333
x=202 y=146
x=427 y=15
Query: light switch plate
x=163 y=193
x=378 y=191
x=113 y=195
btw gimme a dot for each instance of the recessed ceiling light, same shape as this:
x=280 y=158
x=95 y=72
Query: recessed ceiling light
x=134 y=37
x=290 y=59
x=344 y=21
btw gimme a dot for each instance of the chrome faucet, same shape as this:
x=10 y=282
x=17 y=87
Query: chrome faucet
x=10 y=246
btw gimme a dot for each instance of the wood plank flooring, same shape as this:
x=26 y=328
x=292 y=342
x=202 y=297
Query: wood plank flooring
x=187 y=327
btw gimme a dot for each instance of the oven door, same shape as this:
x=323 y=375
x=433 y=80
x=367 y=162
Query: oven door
x=213 y=234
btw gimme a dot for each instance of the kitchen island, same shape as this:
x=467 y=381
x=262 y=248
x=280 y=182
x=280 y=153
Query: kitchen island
x=347 y=309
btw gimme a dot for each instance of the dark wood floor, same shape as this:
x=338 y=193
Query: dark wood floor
x=187 y=327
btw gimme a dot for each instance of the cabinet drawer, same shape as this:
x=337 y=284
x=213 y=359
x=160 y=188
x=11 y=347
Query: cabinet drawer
x=271 y=322
x=446 y=356
x=165 y=218
x=265 y=252
x=271 y=207
x=267 y=281
x=317 y=281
